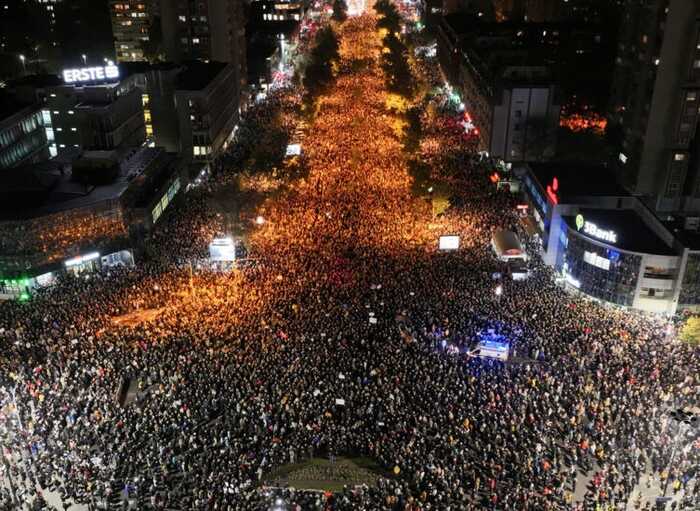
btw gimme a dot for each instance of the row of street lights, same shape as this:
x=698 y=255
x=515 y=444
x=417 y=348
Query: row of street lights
x=23 y=60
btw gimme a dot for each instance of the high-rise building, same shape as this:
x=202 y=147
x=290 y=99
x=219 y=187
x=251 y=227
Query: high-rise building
x=540 y=11
x=502 y=75
x=133 y=24
x=207 y=109
x=655 y=103
x=208 y=30
x=103 y=116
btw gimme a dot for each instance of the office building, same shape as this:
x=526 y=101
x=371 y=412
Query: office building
x=208 y=30
x=276 y=14
x=82 y=214
x=655 y=102
x=207 y=109
x=191 y=108
x=157 y=84
x=132 y=24
x=540 y=11
x=94 y=116
x=505 y=85
x=608 y=244
x=22 y=133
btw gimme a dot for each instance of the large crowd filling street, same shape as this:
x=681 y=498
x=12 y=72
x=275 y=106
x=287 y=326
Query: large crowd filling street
x=331 y=344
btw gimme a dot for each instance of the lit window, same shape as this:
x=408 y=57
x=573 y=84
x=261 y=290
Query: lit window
x=696 y=64
x=182 y=18
x=195 y=40
x=74 y=129
x=70 y=112
x=679 y=157
x=196 y=150
x=691 y=96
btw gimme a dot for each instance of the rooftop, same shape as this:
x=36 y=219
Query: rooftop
x=197 y=75
x=46 y=188
x=689 y=238
x=9 y=106
x=37 y=81
x=632 y=232
x=127 y=69
x=576 y=179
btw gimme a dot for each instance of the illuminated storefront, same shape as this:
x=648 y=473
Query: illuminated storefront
x=606 y=244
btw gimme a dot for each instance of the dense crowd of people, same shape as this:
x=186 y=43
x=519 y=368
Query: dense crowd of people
x=332 y=345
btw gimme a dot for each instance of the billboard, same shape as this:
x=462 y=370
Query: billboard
x=450 y=242
x=222 y=249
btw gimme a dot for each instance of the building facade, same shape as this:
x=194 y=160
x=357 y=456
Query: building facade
x=608 y=244
x=94 y=117
x=507 y=92
x=22 y=137
x=207 y=109
x=208 y=30
x=59 y=226
x=655 y=102
x=132 y=23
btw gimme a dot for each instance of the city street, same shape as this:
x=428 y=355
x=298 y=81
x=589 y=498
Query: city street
x=333 y=342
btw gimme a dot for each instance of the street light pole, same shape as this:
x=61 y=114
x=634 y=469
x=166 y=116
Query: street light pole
x=24 y=64
x=673 y=452
x=24 y=450
x=8 y=471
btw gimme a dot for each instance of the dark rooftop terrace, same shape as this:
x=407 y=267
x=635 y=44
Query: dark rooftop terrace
x=577 y=179
x=632 y=232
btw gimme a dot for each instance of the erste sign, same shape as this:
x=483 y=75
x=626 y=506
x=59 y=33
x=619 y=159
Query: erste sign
x=91 y=74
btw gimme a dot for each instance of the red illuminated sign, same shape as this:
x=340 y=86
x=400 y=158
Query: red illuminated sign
x=553 y=191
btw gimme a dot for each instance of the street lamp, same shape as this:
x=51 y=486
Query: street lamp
x=24 y=65
x=259 y=220
x=84 y=59
x=685 y=420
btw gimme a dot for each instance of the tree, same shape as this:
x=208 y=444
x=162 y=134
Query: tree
x=319 y=71
x=690 y=332
x=389 y=17
x=395 y=65
x=340 y=10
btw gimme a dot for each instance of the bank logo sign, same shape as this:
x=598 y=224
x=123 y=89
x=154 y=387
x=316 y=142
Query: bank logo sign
x=593 y=230
x=91 y=74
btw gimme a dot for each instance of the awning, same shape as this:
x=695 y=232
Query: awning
x=506 y=244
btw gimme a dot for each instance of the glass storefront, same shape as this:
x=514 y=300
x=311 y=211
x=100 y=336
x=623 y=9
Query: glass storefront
x=690 y=290
x=598 y=271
